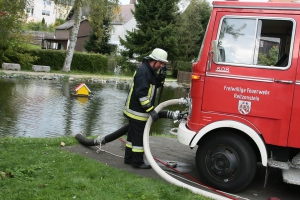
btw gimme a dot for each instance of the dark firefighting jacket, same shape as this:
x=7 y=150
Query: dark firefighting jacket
x=141 y=97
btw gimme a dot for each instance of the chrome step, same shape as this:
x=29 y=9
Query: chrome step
x=295 y=163
x=291 y=176
x=296 y=159
x=278 y=164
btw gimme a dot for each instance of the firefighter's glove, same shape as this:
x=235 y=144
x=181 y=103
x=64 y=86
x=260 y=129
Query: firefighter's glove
x=163 y=74
x=154 y=115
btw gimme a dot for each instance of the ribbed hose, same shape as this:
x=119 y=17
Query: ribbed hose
x=118 y=133
x=85 y=141
x=161 y=172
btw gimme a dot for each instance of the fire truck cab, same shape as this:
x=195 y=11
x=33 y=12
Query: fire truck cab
x=244 y=98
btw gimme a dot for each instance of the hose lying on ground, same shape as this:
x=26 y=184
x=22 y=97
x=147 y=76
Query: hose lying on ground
x=123 y=130
x=118 y=133
x=160 y=171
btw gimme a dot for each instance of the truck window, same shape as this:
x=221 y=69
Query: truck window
x=255 y=42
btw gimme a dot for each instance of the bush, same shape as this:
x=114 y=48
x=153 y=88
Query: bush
x=181 y=66
x=17 y=54
x=94 y=63
x=127 y=66
x=39 y=26
x=54 y=59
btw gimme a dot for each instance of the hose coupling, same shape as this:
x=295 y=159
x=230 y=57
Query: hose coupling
x=184 y=101
x=177 y=115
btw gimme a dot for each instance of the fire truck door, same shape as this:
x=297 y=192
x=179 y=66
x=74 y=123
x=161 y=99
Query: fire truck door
x=294 y=134
x=252 y=77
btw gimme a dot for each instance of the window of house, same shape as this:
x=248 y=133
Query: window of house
x=255 y=42
x=46 y=12
x=47 y=2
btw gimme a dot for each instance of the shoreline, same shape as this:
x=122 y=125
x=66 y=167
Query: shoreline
x=73 y=77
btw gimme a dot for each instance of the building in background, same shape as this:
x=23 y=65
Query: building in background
x=62 y=36
x=39 y=9
x=47 y=9
x=123 y=23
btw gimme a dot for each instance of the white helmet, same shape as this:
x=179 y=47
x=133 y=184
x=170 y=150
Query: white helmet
x=159 y=55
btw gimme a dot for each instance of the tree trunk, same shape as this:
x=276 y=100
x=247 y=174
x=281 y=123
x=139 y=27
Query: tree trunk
x=73 y=37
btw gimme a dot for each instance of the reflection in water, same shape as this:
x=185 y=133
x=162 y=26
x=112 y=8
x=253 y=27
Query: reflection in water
x=46 y=108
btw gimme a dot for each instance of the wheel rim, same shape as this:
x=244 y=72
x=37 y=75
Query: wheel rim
x=222 y=163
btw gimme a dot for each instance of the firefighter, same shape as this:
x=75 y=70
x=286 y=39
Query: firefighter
x=140 y=105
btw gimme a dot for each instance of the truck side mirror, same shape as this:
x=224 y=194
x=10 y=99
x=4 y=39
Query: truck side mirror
x=215 y=50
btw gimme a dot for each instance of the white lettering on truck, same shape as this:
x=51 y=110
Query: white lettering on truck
x=243 y=96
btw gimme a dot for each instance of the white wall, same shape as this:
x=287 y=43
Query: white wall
x=40 y=9
x=121 y=31
x=124 y=2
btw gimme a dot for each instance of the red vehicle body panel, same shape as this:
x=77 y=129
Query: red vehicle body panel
x=257 y=97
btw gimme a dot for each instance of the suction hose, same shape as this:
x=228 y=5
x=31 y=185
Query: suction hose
x=161 y=172
x=118 y=133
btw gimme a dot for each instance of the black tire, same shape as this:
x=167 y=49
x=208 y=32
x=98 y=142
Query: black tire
x=226 y=161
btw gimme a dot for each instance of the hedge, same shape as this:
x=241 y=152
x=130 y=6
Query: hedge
x=94 y=63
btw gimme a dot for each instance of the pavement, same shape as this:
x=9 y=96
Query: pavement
x=164 y=150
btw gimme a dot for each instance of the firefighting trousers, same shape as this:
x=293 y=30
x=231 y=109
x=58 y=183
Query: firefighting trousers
x=134 y=152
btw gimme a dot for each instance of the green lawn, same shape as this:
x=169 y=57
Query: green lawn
x=39 y=168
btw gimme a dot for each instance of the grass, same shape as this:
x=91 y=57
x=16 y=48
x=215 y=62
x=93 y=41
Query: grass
x=32 y=46
x=39 y=168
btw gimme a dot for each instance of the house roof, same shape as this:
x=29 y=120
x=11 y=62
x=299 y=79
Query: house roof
x=66 y=25
x=80 y=86
x=125 y=14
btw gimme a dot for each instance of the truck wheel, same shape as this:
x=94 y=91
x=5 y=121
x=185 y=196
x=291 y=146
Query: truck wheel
x=225 y=161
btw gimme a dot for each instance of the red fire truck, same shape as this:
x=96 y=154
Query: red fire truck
x=244 y=98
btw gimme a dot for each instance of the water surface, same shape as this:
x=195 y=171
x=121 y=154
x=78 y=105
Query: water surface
x=46 y=108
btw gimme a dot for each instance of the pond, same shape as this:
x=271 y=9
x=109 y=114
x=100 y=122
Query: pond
x=46 y=108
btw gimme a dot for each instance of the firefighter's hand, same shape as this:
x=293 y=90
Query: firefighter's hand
x=154 y=115
x=164 y=71
x=163 y=74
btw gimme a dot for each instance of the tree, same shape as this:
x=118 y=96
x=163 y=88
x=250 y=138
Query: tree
x=12 y=17
x=12 y=40
x=99 y=9
x=43 y=20
x=93 y=45
x=99 y=43
x=73 y=35
x=191 y=32
x=269 y=59
x=155 y=28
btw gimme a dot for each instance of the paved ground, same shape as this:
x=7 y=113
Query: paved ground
x=169 y=149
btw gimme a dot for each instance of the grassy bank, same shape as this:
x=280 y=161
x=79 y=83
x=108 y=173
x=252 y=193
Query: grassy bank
x=39 y=168
x=77 y=74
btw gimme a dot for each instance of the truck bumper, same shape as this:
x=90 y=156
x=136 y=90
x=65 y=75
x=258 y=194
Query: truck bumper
x=184 y=135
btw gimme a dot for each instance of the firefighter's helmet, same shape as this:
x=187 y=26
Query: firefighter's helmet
x=159 y=55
